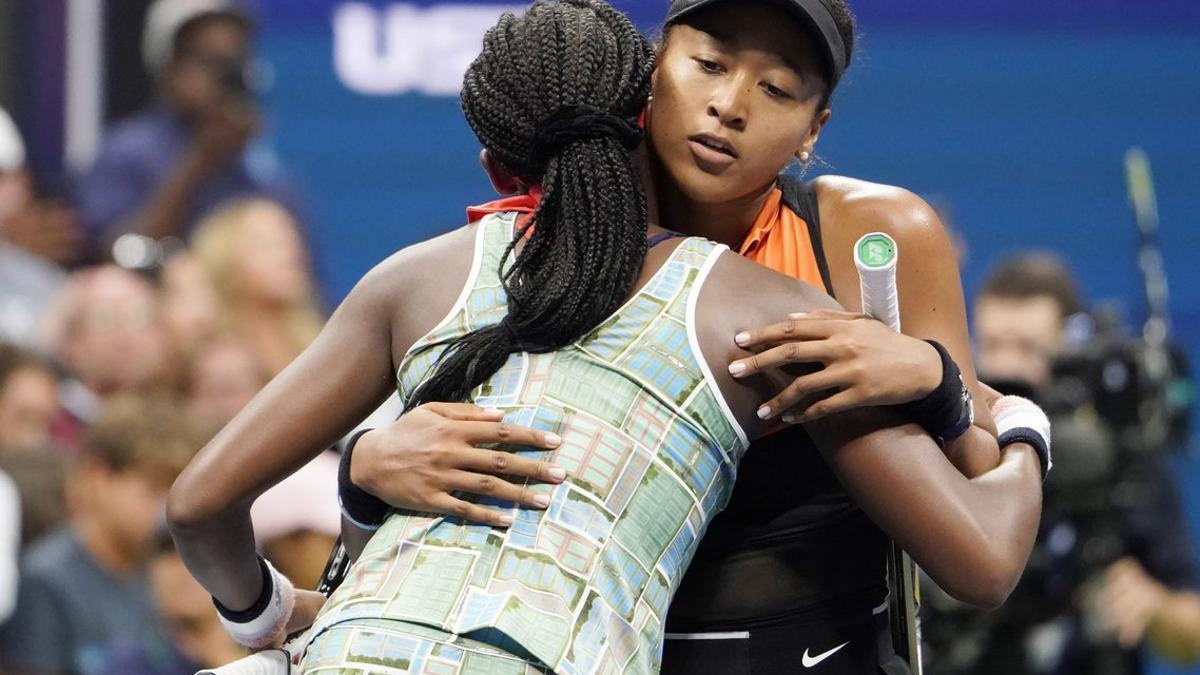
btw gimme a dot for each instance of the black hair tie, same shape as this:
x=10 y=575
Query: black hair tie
x=582 y=122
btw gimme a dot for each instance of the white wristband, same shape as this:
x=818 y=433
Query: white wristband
x=1021 y=420
x=268 y=627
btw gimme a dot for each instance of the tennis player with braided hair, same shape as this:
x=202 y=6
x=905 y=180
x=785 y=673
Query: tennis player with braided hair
x=596 y=334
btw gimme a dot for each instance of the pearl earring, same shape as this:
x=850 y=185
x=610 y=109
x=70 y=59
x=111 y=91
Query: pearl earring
x=805 y=157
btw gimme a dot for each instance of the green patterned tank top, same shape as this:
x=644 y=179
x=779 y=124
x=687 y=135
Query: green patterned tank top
x=651 y=452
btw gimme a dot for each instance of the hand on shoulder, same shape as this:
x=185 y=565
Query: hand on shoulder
x=932 y=305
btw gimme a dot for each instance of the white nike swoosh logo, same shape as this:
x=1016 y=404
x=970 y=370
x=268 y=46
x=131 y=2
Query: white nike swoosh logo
x=810 y=661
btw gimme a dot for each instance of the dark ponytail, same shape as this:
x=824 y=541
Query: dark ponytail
x=554 y=97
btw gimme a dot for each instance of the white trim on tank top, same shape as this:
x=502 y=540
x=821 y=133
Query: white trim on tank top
x=463 y=295
x=693 y=300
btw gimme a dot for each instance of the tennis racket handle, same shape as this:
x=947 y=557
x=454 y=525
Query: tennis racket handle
x=876 y=255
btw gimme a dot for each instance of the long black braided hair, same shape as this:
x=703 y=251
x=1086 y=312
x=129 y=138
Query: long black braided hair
x=554 y=96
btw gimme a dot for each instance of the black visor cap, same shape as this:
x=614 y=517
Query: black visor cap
x=813 y=13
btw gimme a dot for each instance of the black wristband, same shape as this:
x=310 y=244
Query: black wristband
x=1034 y=439
x=946 y=413
x=260 y=605
x=361 y=507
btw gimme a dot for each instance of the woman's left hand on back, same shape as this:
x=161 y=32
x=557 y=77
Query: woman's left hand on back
x=865 y=364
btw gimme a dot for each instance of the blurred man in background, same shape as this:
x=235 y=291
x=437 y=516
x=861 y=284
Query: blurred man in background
x=1020 y=318
x=164 y=168
x=106 y=329
x=83 y=590
x=196 y=637
x=1113 y=567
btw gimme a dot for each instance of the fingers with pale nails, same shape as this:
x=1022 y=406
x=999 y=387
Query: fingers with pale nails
x=852 y=361
x=430 y=459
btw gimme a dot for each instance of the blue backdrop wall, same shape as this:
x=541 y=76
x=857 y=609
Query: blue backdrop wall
x=1014 y=114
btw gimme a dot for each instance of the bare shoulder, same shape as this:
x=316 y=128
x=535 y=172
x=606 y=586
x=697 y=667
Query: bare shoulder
x=412 y=289
x=738 y=295
x=851 y=208
x=855 y=207
x=413 y=269
x=754 y=294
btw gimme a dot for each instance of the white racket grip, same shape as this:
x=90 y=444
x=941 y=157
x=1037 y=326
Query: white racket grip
x=876 y=255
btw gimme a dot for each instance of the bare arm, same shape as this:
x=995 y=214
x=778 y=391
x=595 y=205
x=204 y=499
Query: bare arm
x=163 y=212
x=931 y=297
x=973 y=536
x=335 y=383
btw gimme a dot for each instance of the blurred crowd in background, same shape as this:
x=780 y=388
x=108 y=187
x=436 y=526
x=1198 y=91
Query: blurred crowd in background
x=145 y=300
x=143 y=303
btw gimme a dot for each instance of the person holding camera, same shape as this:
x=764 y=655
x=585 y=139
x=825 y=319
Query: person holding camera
x=1113 y=568
x=161 y=170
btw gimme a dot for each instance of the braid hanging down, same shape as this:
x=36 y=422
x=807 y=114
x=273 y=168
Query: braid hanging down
x=554 y=96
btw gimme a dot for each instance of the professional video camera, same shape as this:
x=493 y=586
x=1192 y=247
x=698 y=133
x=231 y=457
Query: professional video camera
x=1117 y=402
x=1137 y=387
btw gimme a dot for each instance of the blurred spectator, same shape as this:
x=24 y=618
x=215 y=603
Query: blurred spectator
x=106 y=330
x=190 y=308
x=1113 y=568
x=196 y=637
x=222 y=376
x=162 y=169
x=40 y=475
x=48 y=227
x=1020 y=318
x=83 y=590
x=28 y=398
x=253 y=252
x=27 y=280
